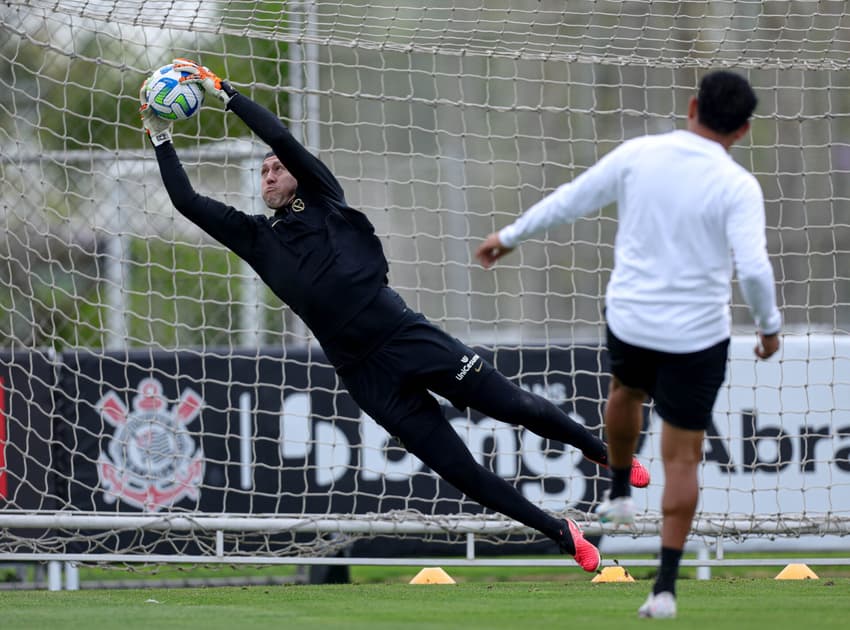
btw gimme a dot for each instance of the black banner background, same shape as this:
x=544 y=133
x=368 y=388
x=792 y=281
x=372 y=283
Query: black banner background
x=279 y=486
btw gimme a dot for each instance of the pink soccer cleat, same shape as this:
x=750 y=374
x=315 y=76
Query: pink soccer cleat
x=586 y=554
x=640 y=475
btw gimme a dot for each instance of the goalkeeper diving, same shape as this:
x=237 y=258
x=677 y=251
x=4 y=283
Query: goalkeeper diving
x=323 y=259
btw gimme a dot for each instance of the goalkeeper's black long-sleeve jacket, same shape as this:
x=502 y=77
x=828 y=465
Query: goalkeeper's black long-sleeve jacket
x=318 y=255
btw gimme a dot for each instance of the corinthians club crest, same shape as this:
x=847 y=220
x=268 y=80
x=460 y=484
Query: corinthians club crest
x=151 y=461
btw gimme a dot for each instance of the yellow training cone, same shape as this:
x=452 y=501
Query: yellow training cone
x=613 y=574
x=796 y=572
x=432 y=575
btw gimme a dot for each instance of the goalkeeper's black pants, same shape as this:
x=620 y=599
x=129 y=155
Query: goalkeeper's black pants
x=446 y=454
x=427 y=434
x=393 y=386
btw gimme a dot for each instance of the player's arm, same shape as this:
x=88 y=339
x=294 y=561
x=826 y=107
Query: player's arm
x=233 y=229
x=593 y=189
x=303 y=165
x=745 y=230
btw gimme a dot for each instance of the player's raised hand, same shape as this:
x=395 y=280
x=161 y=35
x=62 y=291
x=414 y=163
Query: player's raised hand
x=158 y=129
x=211 y=83
x=767 y=346
x=491 y=250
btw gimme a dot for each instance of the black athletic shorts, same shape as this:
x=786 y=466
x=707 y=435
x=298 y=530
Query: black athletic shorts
x=683 y=386
x=391 y=384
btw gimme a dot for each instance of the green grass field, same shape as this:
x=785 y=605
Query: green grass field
x=750 y=603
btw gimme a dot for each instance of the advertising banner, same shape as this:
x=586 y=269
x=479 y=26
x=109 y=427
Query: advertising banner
x=26 y=427
x=269 y=433
x=160 y=432
x=26 y=432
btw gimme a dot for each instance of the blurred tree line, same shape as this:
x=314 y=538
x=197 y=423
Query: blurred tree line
x=61 y=95
x=437 y=146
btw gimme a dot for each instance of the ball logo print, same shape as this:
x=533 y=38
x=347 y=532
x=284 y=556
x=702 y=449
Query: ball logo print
x=169 y=97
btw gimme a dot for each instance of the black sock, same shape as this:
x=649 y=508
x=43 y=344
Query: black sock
x=566 y=542
x=668 y=571
x=620 y=486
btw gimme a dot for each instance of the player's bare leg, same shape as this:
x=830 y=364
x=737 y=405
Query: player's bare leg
x=681 y=450
x=623 y=420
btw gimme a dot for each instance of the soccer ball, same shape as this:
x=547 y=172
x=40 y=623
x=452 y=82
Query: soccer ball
x=171 y=99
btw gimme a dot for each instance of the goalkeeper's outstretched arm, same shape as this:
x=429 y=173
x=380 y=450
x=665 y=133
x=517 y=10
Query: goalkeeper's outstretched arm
x=230 y=227
x=303 y=165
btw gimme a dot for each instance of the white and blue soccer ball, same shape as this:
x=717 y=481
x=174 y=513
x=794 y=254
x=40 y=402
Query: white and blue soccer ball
x=171 y=99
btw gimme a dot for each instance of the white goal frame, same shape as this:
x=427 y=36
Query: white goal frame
x=440 y=131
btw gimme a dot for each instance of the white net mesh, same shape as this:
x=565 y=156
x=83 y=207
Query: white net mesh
x=442 y=123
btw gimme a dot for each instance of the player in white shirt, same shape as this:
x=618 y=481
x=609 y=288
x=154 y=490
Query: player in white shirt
x=687 y=215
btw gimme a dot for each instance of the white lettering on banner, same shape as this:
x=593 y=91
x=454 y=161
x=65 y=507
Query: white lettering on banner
x=487 y=438
x=479 y=435
x=547 y=464
x=780 y=440
x=295 y=423
x=781 y=436
x=245 y=438
x=333 y=453
x=377 y=461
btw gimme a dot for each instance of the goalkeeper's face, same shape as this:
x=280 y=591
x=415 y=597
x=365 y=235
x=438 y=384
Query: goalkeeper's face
x=277 y=184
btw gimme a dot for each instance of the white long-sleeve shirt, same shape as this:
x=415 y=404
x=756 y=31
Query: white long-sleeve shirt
x=687 y=213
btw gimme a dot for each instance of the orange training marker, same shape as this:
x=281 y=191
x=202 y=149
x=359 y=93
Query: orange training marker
x=432 y=575
x=796 y=572
x=613 y=574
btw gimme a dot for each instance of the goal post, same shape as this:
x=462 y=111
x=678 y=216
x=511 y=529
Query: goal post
x=156 y=401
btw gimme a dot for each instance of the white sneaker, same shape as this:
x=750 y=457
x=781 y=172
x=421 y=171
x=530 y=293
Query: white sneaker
x=661 y=606
x=620 y=511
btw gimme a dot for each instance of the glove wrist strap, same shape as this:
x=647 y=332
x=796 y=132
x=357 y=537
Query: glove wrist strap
x=227 y=92
x=160 y=137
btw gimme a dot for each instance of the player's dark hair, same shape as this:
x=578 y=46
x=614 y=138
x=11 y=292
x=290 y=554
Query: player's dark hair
x=268 y=155
x=725 y=101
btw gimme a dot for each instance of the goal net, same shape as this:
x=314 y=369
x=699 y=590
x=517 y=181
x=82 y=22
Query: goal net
x=156 y=399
